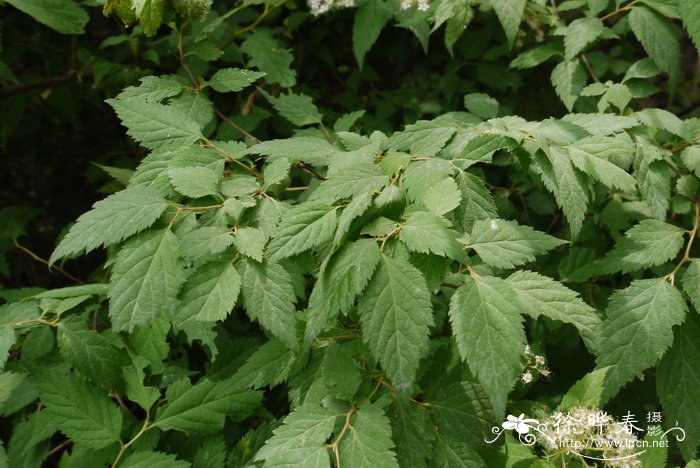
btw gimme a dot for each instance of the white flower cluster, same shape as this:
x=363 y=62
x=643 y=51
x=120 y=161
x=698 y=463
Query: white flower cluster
x=319 y=7
x=582 y=429
x=422 y=5
x=535 y=365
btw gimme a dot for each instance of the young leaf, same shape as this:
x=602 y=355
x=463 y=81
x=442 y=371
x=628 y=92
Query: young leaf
x=111 y=221
x=233 y=79
x=267 y=55
x=81 y=411
x=637 y=331
x=505 y=244
x=145 y=280
x=203 y=407
x=540 y=295
x=678 y=383
x=369 y=22
x=367 y=443
x=580 y=33
x=510 y=14
x=268 y=297
x=487 y=325
x=299 y=109
x=444 y=197
x=250 y=242
x=659 y=38
x=569 y=78
x=305 y=226
x=396 y=313
x=155 y=125
x=349 y=178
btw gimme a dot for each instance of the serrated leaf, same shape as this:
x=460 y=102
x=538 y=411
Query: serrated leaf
x=64 y=16
x=586 y=392
x=535 y=56
x=649 y=243
x=304 y=227
x=268 y=297
x=233 y=79
x=370 y=19
x=209 y=293
x=112 y=220
x=310 y=150
x=690 y=13
x=659 y=38
x=340 y=373
x=250 y=242
x=463 y=408
x=593 y=156
x=195 y=106
x=453 y=453
x=420 y=177
x=471 y=149
x=510 y=13
x=678 y=383
x=90 y=353
x=428 y=233
x=411 y=429
x=340 y=281
x=637 y=331
x=506 y=244
x=151 y=459
x=9 y=381
x=307 y=427
x=396 y=313
x=299 y=109
x=569 y=78
x=146 y=278
x=444 y=197
x=81 y=411
x=203 y=407
x=487 y=325
x=481 y=105
x=276 y=172
x=267 y=55
x=540 y=295
x=348 y=178
x=155 y=125
x=153 y=88
x=352 y=211
x=194 y=182
x=269 y=365
x=581 y=33
x=205 y=240
x=477 y=201
x=149 y=14
x=367 y=442
x=691 y=282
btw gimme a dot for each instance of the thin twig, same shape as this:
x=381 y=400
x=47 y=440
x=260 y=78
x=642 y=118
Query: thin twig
x=46 y=262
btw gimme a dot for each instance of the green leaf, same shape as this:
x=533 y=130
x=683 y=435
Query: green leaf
x=194 y=182
x=411 y=428
x=535 y=56
x=81 y=411
x=268 y=297
x=194 y=106
x=690 y=13
x=150 y=459
x=420 y=177
x=352 y=211
x=204 y=241
x=596 y=157
x=510 y=14
x=370 y=19
x=569 y=78
x=649 y=243
x=341 y=280
x=271 y=59
x=299 y=109
x=367 y=442
x=90 y=353
x=340 y=372
x=269 y=365
x=396 y=313
x=310 y=150
x=250 y=242
x=304 y=431
x=153 y=88
x=691 y=158
x=444 y=197
x=233 y=79
x=155 y=125
x=691 y=282
x=540 y=295
x=210 y=293
x=463 y=408
x=477 y=201
x=304 y=227
x=275 y=172
x=581 y=33
x=64 y=16
x=428 y=233
x=481 y=105
x=486 y=322
x=9 y=381
x=659 y=38
x=476 y=148
x=146 y=278
x=506 y=244
x=587 y=391
x=350 y=177
x=112 y=220
x=678 y=383
x=346 y=122
x=150 y=14
x=453 y=453
x=202 y=408
x=637 y=331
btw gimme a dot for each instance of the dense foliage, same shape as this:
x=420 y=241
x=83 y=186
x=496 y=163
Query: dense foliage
x=345 y=234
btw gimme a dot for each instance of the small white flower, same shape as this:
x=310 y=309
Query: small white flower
x=540 y=360
x=527 y=377
x=520 y=424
